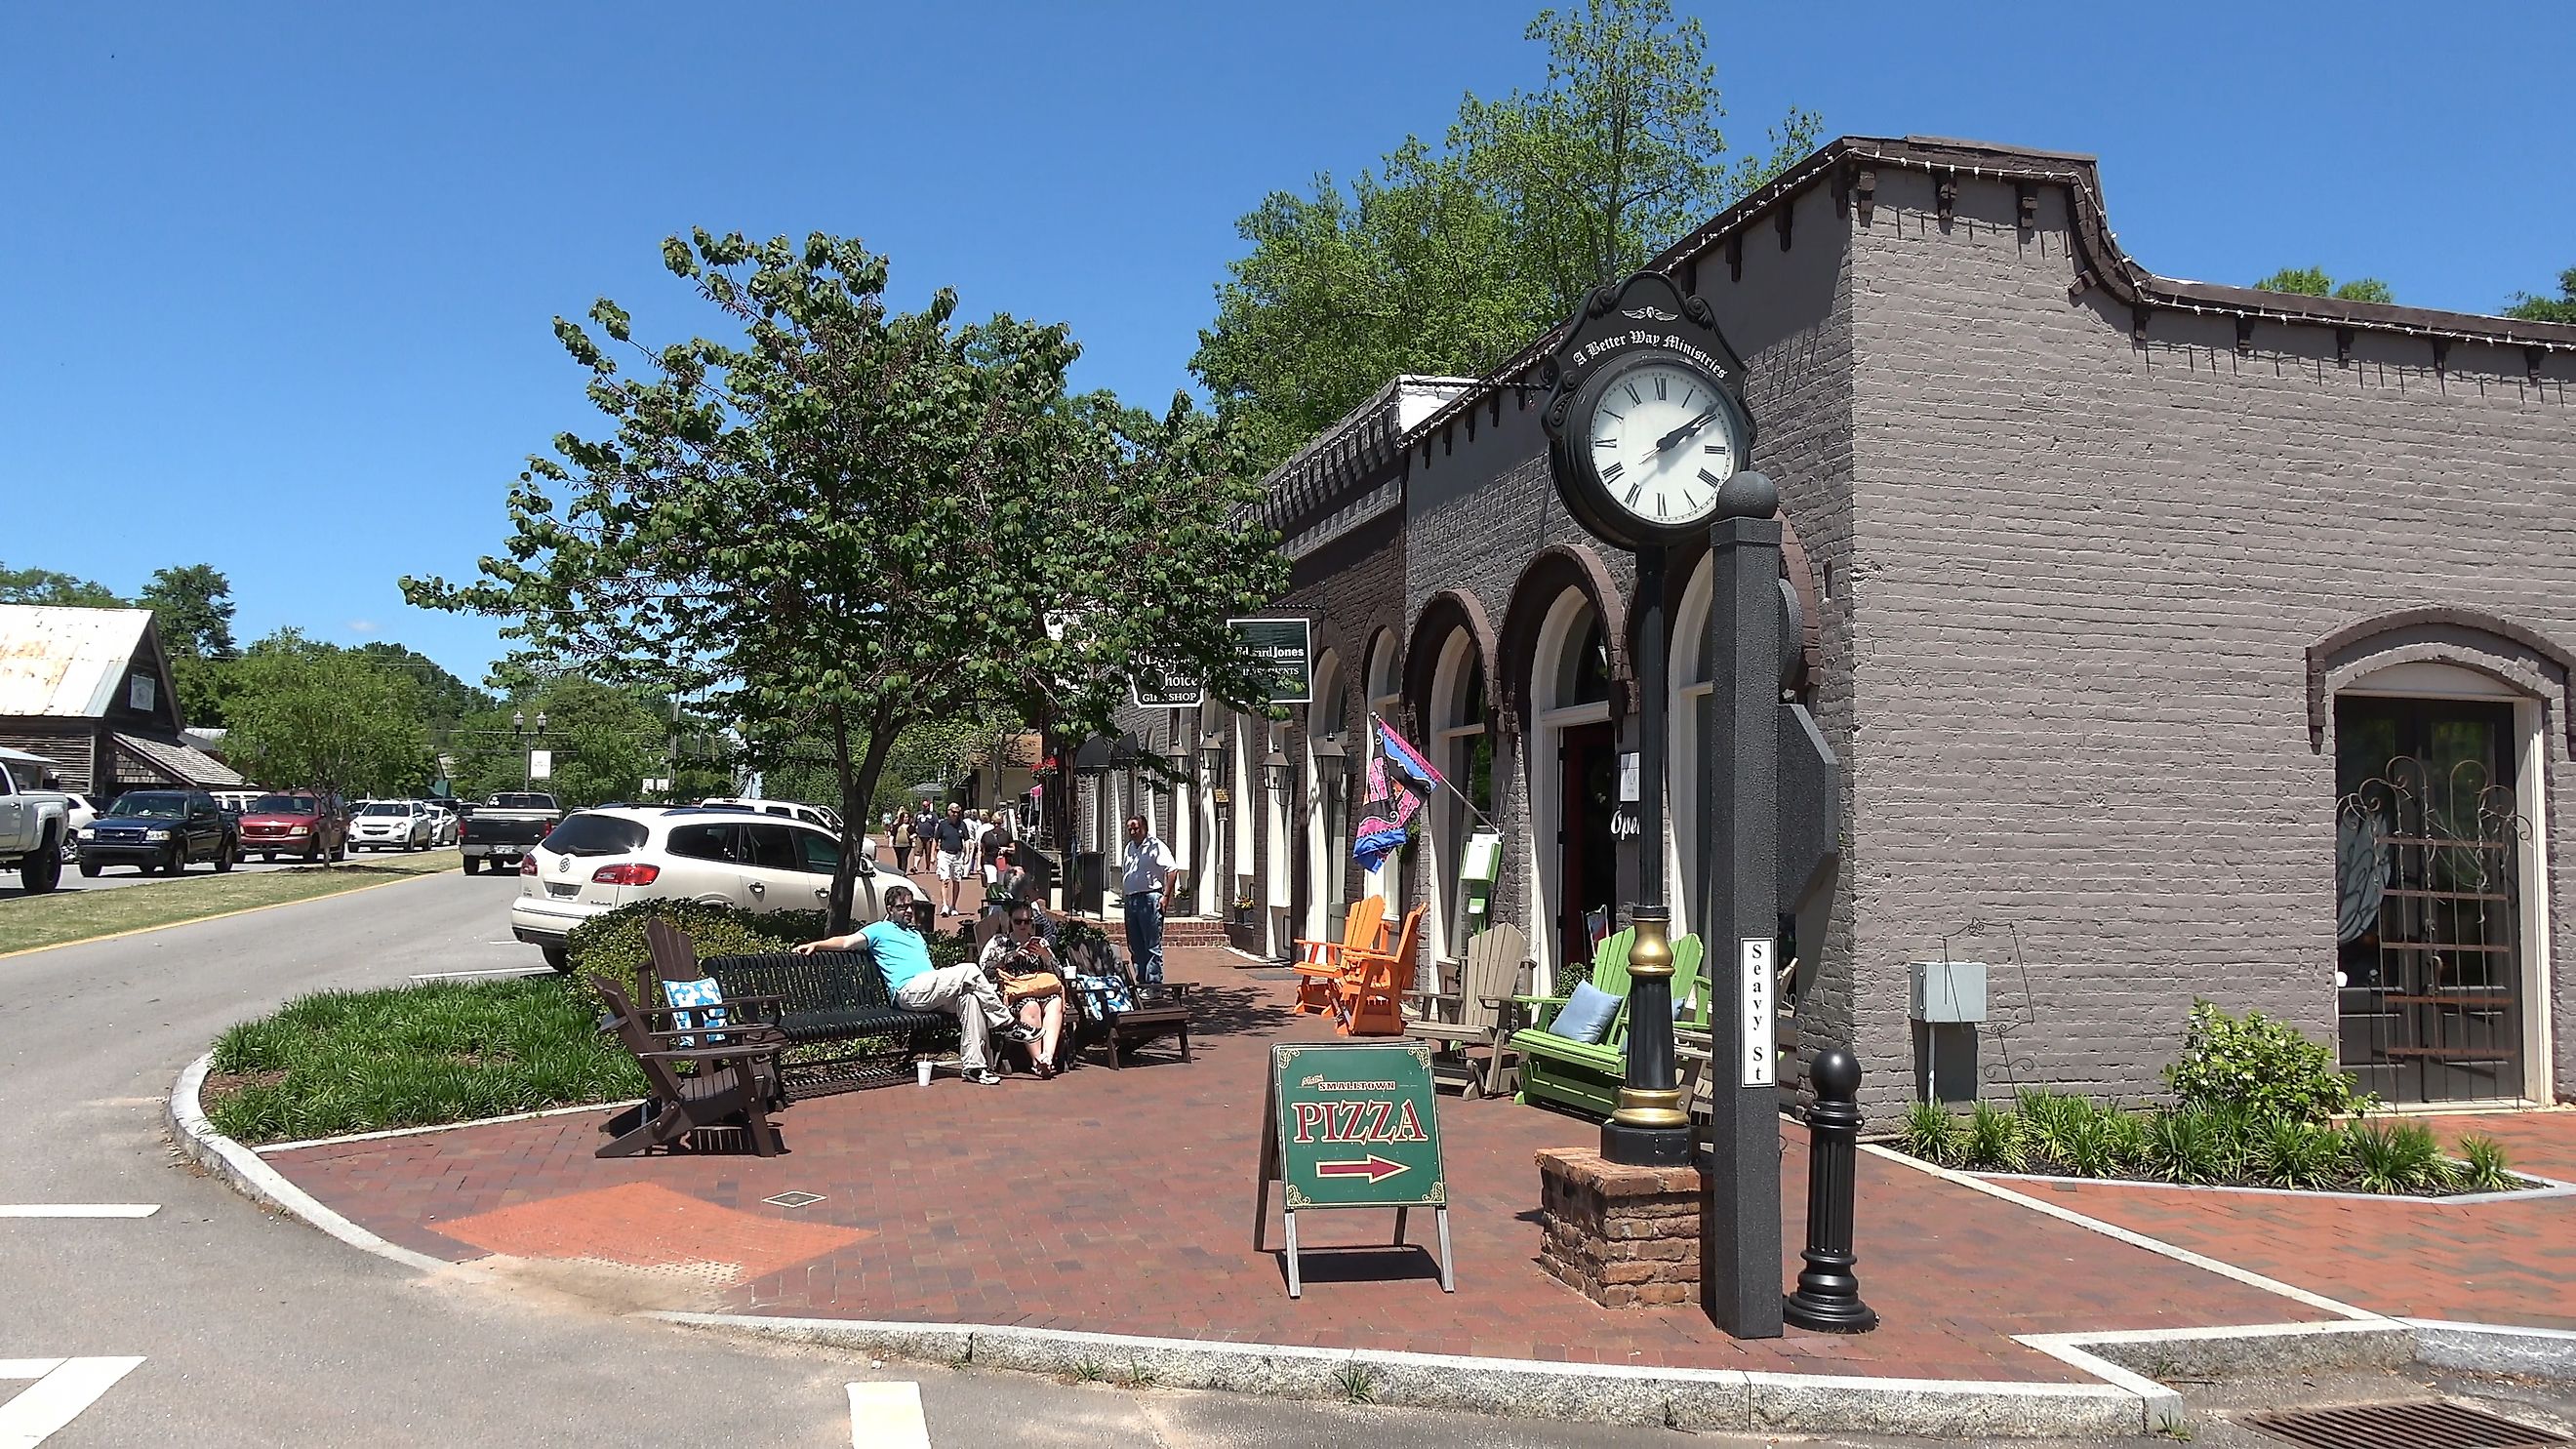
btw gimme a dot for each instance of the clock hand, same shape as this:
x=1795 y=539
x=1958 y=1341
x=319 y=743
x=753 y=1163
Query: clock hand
x=1665 y=443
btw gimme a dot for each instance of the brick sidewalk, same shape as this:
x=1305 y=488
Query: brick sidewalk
x=1121 y=1202
x=2490 y=1262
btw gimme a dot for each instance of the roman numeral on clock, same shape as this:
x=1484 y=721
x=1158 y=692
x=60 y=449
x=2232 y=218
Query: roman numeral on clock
x=1660 y=385
x=1711 y=479
x=1611 y=473
x=1634 y=396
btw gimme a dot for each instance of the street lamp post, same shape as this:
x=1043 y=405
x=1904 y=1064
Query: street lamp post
x=527 y=741
x=1650 y=1127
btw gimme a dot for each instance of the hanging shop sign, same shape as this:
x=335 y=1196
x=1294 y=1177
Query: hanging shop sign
x=1351 y=1125
x=1285 y=652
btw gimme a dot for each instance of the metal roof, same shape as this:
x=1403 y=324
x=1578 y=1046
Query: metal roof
x=66 y=662
x=179 y=762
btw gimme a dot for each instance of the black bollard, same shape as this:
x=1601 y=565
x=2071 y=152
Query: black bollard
x=1828 y=1296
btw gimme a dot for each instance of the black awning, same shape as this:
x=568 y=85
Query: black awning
x=1096 y=755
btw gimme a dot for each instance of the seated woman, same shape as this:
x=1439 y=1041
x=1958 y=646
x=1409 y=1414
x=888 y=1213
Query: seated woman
x=1032 y=983
x=1011 y=880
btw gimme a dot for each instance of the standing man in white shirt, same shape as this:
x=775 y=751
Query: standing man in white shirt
x=1147 y=879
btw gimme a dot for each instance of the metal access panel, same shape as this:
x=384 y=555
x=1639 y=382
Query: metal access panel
x=2433 y=1425
x=1948 y=991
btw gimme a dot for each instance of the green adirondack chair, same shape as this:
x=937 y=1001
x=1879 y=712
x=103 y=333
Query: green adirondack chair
x=1583 y=1075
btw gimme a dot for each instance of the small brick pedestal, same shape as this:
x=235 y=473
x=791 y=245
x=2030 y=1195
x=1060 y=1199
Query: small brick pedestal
x=1624 y=1237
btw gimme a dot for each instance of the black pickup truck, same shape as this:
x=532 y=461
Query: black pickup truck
x=505 y=827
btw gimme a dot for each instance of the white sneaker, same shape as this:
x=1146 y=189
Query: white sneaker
x=984 y=1077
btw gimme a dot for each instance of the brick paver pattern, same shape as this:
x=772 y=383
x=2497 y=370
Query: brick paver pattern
x=1121 y=1202
x=2483 y=1262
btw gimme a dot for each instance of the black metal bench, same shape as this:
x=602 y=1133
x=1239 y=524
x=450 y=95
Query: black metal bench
x=843 y=1030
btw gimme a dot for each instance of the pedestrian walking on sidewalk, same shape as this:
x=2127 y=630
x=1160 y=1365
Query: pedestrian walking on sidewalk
x=1147 y=878
x=955 y=838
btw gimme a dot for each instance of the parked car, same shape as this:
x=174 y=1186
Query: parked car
x=505 y=827
x=163 y=830
x=821 y=815
x=442 y=819
x=236 y=801
x=603 y=858
x=295 y=822
x=391 y=825
x=81 y=813
x=34 y=822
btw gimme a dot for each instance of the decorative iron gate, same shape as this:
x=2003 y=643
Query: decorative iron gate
x=2430 y=845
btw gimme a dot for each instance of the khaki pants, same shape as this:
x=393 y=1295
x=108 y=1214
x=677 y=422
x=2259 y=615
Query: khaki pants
x=968 y=994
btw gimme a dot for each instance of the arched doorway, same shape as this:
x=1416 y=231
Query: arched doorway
x=1323 y=804
x=1687 y=741
x=1385 y=697
x=1462 y=749
x=1573 y=785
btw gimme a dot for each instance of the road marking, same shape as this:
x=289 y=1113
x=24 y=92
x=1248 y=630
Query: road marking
x=492 y=971
x=886 y=1416
x=80 y=1210
x=63 y=1387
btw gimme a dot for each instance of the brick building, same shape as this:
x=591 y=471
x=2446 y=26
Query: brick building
x=2177 y=640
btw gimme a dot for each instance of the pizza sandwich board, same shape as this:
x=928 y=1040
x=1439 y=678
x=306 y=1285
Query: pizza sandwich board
x=1351 y=1125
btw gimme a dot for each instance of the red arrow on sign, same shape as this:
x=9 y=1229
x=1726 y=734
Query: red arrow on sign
x=1375 y=1168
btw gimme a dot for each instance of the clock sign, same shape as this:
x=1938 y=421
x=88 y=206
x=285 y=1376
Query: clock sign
x=1645 y=416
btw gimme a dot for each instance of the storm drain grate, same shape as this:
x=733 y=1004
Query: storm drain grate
x=2401 y=1426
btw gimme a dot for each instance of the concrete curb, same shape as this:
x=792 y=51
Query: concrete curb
x=2124 y=1400
x=1731 y=1399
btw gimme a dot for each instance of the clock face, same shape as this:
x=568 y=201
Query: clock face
x=1660 y=438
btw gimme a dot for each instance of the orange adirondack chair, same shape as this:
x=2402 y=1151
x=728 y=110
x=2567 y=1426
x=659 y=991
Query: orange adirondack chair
x=1376 y=983
x=1319 y=981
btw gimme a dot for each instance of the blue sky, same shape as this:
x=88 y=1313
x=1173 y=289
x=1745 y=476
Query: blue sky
x=280 y=278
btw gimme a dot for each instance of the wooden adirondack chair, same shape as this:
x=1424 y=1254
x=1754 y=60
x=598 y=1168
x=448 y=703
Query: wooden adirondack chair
x=732 y=1087
x=1587 y=1075
x=1374 y=983
x=1319 y=981
x=1495 y=960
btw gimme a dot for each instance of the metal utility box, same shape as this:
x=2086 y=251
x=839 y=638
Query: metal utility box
x=1948 y=991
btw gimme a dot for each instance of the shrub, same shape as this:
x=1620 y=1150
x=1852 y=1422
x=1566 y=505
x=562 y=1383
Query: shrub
x=2396 y=1158
x=2296 y=1154
x=1934 y=1135
x=2485 y=1170
x=2189 y=1146
x=611 y=943
x=2261 y=1067
x=1994 y=1139
x=2096 y=1143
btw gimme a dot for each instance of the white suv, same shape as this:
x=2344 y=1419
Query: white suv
x=619 y=854
x=391 y=825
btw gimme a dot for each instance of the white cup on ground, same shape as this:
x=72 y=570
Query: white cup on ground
x=921 y=1071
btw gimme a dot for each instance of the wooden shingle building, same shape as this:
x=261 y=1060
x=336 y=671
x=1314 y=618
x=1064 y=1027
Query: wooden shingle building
x=90 y=690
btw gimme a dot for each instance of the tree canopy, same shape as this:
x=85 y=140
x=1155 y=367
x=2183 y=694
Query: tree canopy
x=1450 y=259
x=45 y=586
x=848 y=519
x=605 y=742
x=2561 y=308
x=307 y=714
x=2313 y=282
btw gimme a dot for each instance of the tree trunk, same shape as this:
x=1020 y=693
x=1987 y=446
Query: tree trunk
x=858 y=784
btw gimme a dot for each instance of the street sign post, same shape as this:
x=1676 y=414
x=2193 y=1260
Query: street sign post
x=1351 y=1125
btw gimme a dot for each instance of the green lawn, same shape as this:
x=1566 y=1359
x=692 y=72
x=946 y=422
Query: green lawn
x=413 y=1056
x=74 y=915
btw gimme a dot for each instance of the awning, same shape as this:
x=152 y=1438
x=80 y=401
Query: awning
x=140 y=761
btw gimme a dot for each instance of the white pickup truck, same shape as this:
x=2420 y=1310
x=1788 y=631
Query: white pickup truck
x=34 y=822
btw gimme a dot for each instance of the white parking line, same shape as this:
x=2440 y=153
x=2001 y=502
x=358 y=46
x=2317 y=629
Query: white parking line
x=63 y=1387
x=78 y=1210
x=887 y=1416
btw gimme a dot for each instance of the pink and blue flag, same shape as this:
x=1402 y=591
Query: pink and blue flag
x=1405 y=757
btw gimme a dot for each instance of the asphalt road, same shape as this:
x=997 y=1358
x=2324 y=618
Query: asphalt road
x=124 y=877
x=257 y=1330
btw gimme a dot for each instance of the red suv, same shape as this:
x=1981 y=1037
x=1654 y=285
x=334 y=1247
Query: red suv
x=295 y=822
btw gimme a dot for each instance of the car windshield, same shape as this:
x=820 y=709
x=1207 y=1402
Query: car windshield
x=282 y=805
x=158 y=806
x=386 y=807
x=522 y=802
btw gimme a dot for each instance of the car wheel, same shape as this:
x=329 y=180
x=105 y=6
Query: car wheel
x=42 y=871
x=268 y=858
x=89 y=869
x=224 y=858
x=473 y=865
x=558 y=958
x=312 y=854
x=341 y=850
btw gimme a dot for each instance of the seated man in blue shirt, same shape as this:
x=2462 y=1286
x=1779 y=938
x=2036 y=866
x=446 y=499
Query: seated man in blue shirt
x=964 y=992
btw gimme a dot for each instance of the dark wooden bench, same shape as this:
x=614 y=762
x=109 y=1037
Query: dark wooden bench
x=843 y=1030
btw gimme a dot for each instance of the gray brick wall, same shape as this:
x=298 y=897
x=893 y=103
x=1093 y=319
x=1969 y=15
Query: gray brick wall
x=2085 y=569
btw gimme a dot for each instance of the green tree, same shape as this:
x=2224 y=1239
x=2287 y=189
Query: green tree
x=444 y=699
x=309 y=714
x=852 y=519
x=1450 y=260
x=604 y=742
x=192 y=607
x=2313 y=282
x=45 y=586
x=2561 y=308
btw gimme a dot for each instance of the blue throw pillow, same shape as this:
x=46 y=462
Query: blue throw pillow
x=702 y=993
x=1585 y=1017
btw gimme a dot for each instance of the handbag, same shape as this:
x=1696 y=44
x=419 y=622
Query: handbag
x=1019 y=986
